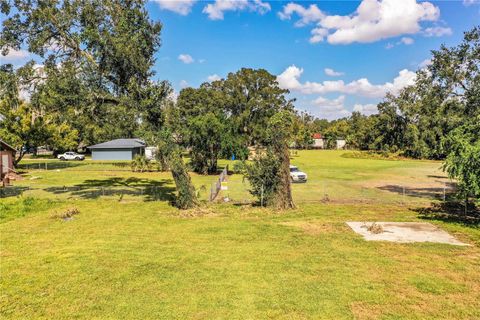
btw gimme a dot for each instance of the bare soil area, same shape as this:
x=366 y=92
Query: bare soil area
x=404 y=232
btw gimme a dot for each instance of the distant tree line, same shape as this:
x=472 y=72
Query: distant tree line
x=437 y=117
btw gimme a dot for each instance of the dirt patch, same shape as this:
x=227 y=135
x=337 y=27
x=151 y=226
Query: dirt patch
x=311 y=228
x=405 y=232
x=363 y=310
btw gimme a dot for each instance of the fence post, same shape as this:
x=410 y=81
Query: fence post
x=261 y=196
x=403 y=187
x=444 y=193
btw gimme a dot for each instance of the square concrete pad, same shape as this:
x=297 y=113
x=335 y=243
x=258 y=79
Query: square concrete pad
x=405 y=232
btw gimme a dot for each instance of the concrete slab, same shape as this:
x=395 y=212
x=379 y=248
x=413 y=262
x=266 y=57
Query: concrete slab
x=405 y=232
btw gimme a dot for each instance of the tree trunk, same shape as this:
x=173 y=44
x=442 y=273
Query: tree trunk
x=186 y=196
x=212 y=167
x=17 y=160
x=283 y=196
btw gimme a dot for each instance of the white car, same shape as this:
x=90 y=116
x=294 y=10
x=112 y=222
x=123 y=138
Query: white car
x=296 y=175
x=71 y=156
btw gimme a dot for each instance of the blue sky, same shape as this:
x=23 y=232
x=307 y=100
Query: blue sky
x=371 y=46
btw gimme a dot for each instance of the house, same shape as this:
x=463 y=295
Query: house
x=318 y=141
x=7 y=153
x=118 y=149
x=341 y=143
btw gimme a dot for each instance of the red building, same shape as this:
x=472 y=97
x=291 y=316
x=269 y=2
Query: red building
x=7 y=154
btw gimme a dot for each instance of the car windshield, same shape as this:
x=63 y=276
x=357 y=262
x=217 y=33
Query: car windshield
x=294 y=169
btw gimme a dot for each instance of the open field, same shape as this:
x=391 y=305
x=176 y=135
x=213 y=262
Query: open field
x=130 y=255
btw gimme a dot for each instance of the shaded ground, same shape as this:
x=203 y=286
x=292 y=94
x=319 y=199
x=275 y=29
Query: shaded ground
x=154 y=190
x=451 y=211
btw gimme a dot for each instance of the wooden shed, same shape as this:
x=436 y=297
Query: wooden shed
x=7 y=154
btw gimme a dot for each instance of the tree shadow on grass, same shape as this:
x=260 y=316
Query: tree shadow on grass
x=151 y=190
x=53 y=165
x=426 y=192
x=12 y=191
x=451 y=211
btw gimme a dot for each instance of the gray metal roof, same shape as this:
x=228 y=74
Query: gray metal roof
x=6 y=146
x=120 y=144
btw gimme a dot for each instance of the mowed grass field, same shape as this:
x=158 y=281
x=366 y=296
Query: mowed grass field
x=130 y=255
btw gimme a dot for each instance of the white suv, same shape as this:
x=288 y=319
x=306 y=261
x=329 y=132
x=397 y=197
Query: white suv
x=71 y=156
x=297 y=175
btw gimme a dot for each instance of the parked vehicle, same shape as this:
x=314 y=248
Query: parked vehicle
x=296 y=175
x=71 y=156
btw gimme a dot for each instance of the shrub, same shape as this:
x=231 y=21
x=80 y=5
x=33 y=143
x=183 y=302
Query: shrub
x=238 y=167
x=67 y=214
x=263 y=175
x=140 y=164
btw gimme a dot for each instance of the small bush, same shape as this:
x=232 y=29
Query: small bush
x=238 y=167
x=67 y=214
x=263 y=175
x=376 y=155
x=140 y=164
x=374 y=228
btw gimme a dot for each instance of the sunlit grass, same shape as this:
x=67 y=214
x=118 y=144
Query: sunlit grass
x=132 y=257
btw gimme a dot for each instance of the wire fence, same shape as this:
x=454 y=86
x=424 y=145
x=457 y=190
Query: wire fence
x=75 y=166
x=416 y=198
x=325 y=189
x=153 y=192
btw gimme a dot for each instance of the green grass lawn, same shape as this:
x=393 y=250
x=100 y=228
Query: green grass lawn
x=130 y=255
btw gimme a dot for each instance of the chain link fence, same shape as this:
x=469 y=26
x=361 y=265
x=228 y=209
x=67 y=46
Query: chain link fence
x=325 y=189
x=75 y=166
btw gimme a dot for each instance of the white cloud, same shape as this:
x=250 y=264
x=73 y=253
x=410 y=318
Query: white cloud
x=307 y=15
x=437 y=32
x=213 y=77
x=372 y=21
x=15 y=56
x=183 y=84
x=260 y=6
x=318 y=35
x=216 y=10
x=366 y=109
x=331 y=108
x=425 y=63
x=404 y=40
x=407 y=41
x=182 y=7
x=329 y=103
x=333 y=73
x=290 y=79
x=470 y=2
x=186 y=58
